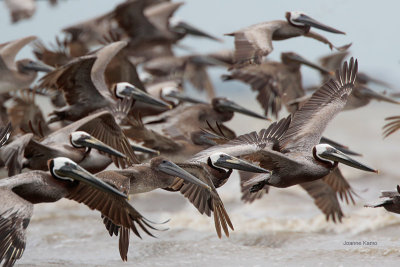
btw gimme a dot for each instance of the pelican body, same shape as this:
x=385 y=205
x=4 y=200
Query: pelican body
x=290 y=148
x=255 y=42
x=15 y=75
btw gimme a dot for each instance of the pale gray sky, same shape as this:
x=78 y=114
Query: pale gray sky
x=370 y=25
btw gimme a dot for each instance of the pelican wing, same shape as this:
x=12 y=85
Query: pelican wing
x=15 y=214
x=266 y=85
x=9 y=51
x=75 y=80
x=311 y=119
x=13 y=154
x=339 y=184
x=55 y=57
x=119 y=213
x=325 y=198
x=130 y=17
x=254 y=42
x=204 y=200
x=392 y=126
x=247 y=196
x=252 y=145
x=104 y=127
x=159 y=14
x=104 y=56
x=5 y=133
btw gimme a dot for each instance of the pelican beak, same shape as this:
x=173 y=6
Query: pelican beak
x=297 y=58
x=171 y=168
x=139 y=95
x=75 y=172
x=144 y=149
x=228 y=105
x=340 y=147
x=90 y=141
x=335 y=155
x=316 y=24
x=184 y=27
x=184 y=98
x=38 y=66
x=230 y=162
x=377 y=96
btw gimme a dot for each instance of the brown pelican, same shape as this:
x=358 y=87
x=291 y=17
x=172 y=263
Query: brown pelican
x=168 y=91
x=19 y=74
x=20 y=10
x=26 y=116
x=141 y=178
x=215 y=172
x=84 y=87
x=390 y=201
x=150 y=28
x=324 y=191
x=362 y=95
x=191 y=68
x=66 y=179
x=75 y=141
x=184 y=119
x=255 y=42
x=290 y=148
x=275 y=82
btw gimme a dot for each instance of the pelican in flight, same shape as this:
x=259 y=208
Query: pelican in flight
x=390 y=201
x=66 y=179
x=290 y=149
x=141 y=178
x=83 y=83
x=15 y=75
x=255 y=42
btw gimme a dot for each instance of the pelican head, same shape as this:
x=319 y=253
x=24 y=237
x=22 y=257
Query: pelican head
x=124 y=89
x=81 y=139
x=27 y=66
x=225 y=161
x=65 y=169
x=291 y=57
x=168 y=167
x=174 y=95
x=224 y=105
x=298 y=18
x=328 y=154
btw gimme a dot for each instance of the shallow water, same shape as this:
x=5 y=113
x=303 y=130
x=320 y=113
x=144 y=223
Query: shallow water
x=284 y=227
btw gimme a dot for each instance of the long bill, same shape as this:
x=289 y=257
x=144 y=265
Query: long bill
x=232 y=106
x=184 y=98
x=75 y=172
x=302 y=60
x=90 y=141
x=316 y=24
x=171 y=168
x=144 y=97
x=337 y=156
x=231 y=162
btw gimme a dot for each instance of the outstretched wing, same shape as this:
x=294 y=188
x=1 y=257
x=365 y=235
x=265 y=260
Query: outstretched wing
x=338 y=183
x=75 y=80
x=247 y=196
x=15 y=215
x=325 y=198
x=311 y=119
x=9 y=51
x=252 y=145
x=204 y=200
